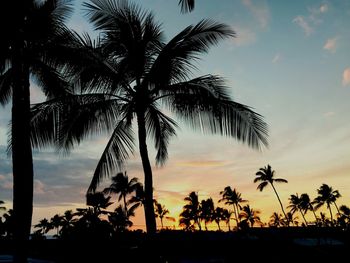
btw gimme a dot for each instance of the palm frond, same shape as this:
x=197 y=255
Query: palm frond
x=186 y=5
x=161 y=128
x=114 y=155
x=204 y=104
x=6 y=86
x=175 y=61
x=280 y=180
x=262 y=186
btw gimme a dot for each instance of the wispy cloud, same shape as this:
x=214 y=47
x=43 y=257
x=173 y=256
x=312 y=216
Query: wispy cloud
x=276 y=58
x=346 y=77
x=331 y=45
x=260 y=11
x=312 y=19
x=245 y=36
x=303 y=23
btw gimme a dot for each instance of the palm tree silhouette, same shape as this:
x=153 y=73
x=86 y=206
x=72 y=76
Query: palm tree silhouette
x=207 y=211
x=276 y=220
x=132 y=74
x=44 y=226
x=122 y=186
x=98 y=201
x=218 y=216
x=250 y=216
x=295 y=204
x=186 y=5
x=234 y=198
x=306 y=205
x=266 y=175
x=226 y=216
x=192 y=209
x=161 y=212
x=31 y=33
x=291 y=219
x=328 y=196
x=55 y=223
x=120 y=218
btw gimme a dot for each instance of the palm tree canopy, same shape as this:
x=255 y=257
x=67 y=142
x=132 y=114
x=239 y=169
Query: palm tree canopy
x=231 y=196
x=326 y=195
x=131 y=71
x=266 y=175
x=40 y=25
x=121 y=185
x=294 y=203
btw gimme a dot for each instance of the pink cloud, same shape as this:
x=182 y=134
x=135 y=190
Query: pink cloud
x=331 y=45
x=301 y=21
x=346 y=77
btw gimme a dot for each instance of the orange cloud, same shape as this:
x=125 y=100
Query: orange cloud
x=346 y=77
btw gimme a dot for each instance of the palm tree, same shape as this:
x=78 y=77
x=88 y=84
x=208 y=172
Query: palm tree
x=55 y=223
x=226 y=216
x=120 y=219
x=207 y=211
x=218 y=215
x=276 y=220
x=192 y=209
x=98 y=201
x=291 y=219
x=266 y=175
x=306 y=205
x=132 y=74
x=122 y=186
x=328 y=196
x=138 y=199
x=31 y=32
x=161 y=212
x=186 y=5
x=296 y=205
x=44 y=226
x=250 y=216
x=234 y=198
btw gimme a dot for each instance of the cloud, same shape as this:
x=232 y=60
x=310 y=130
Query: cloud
x=202 y=163
x=328 y=114
x=260 y=11
x=276 y=58
x=301 y=21
x=323 y=8
x=245 y=36
x=346 y=77
x=331 y=45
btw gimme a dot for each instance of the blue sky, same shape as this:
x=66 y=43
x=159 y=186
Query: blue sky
x=290 y=61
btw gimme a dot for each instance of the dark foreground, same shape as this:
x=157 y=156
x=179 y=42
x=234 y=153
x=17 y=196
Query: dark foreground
x=272 y=245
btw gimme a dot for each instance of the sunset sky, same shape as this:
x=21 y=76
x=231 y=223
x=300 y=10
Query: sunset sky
x=290 y=62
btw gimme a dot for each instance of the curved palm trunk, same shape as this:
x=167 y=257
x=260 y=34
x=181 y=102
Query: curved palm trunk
x=336 y=206
x=330 y=211
x=125 y=206
x=161 y=222
x=237 y=206
x=22 y=159
x=313 y=211
x=218 y=223
x=302 y=214
x=236 y=215
x=279 y=200
x=148 y=205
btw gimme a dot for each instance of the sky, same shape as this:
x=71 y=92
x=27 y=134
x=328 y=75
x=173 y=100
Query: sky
x=290 y=62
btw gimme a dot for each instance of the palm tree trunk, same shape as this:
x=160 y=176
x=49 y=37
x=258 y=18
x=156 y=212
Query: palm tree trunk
x=126 y=208
x=313 y=211
x=330 y=211
x=161 y=222
x=148 y=206
x=302 y=214
x=336 y=206
x=236 y=215
x=237 y=206
x=279 y=200
x=22 y=159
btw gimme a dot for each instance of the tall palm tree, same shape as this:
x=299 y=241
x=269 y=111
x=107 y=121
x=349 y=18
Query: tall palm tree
x=56 y=223
x=122 y=186
x=186 y=5
x=250 y=216
x=306 y=205
x=295 y=204
x=328 y=196
x=226 y=216
x=133 y=74
x=218 y=215
x=30 y=33
x=234 y=198
x=265 y=176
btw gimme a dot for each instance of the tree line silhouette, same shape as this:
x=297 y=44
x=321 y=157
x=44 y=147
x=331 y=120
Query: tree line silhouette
x=96 y=221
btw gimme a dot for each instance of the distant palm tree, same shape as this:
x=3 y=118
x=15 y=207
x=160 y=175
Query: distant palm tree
x=130 y=77
x=276 y=220
x=122 y=186
x=192 y=209
x=120 y=219
x=291 y=219
x=306 y=205
x=295 y=204
x=207 y=211
x=328 y=196
x=227 y=217
x=138 y=199
x=44 y=226
x=218 y=216
x=161 y=212
x=67 y=223
x=186 y=5
x=234 y=198
x=185 y=220
x=250 y=216
x=55 y=223
x=266 y=175
x=31 y=32
x=98 y=201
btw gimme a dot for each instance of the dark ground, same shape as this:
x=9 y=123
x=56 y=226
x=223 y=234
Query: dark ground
x=263 y=244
